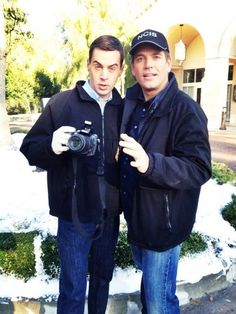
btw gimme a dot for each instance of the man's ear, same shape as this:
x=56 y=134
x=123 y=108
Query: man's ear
x=169 y=63
x=132 y=69
x=122 y=68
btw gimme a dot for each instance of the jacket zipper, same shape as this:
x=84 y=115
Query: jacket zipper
x=168 y=213
x=101 y=153
x=103 y=141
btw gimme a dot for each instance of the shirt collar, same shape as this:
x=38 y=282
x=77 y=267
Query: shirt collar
x=91 y=92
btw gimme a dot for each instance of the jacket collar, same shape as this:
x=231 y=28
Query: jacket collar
x=116 y=98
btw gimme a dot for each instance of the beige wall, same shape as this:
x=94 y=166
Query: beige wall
x=195 y=56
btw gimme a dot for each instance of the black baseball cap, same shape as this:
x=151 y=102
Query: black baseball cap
x=149 y=36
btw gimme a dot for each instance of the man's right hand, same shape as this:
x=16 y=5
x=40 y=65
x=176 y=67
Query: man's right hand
x=60 y=138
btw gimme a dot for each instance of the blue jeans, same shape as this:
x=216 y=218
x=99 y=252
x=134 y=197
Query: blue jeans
x=158 y=286
x=101 y=265
x=76 y=254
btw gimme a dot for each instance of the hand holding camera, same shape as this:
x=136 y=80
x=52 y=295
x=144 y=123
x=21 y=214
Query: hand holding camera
x=60 y=139
x=80 y=141
x=83 y=141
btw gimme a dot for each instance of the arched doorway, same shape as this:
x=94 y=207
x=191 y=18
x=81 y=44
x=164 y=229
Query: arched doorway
x=190 y=71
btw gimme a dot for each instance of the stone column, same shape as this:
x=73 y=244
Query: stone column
x=214 y=90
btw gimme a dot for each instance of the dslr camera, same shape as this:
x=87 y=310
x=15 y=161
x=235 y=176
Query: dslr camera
x=82 y=141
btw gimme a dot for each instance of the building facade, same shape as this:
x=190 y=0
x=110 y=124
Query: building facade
x=207 y=68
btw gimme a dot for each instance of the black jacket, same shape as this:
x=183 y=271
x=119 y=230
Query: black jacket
x=72 y=108
x=175 y=136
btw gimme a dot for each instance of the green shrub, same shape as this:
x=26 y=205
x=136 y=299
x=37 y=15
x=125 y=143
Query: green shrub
x=50 y=257
x=123 y=256
x=17 y=254
x=18 y=130
x=229 y=212
x=195 y=243
x=17 y=257
x=223 y=174
x=7 y=242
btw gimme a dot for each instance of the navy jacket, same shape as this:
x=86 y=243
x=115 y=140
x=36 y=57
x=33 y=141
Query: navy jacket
x=72 y=108
x=175 y=137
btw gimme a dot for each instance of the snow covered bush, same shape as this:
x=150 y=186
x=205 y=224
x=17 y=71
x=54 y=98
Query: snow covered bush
x=17 y=254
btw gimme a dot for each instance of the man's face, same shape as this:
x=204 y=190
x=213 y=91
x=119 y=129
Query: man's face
x=150 y=67
x=104 y=70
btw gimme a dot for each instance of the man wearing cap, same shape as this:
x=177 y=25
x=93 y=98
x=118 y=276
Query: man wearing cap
x=165 y=158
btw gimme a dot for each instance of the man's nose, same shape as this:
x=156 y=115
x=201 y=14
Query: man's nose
x=104 y=74
x=149 y=63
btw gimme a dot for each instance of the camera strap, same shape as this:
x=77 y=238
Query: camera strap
x=75 y=215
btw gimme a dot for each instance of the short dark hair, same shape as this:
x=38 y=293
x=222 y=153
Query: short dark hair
x=107 y=43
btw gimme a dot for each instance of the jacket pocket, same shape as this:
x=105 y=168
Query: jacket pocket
x=150 y=224
x=59 y=192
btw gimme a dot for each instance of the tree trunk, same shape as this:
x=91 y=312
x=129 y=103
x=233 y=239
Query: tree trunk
x=5 y=134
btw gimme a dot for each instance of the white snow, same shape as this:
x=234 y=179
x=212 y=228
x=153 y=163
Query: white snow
x=24 y=207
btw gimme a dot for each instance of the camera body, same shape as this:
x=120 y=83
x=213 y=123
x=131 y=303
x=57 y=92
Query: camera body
x=82 y=141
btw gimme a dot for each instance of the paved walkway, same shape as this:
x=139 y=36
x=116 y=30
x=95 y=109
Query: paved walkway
x=223 y=146
x=223 y=302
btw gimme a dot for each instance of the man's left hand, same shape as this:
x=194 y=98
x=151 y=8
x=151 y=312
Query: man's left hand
x=135 y=150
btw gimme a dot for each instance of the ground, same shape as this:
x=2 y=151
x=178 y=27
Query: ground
x=223 y=302
x=223 y=146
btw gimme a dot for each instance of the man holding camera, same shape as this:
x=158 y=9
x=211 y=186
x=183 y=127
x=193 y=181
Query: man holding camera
x=75 y=140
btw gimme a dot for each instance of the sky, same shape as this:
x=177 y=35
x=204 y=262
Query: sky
x=44 y=15
x=24 y=207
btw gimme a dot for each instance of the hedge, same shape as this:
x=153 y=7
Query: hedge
x=17 y=255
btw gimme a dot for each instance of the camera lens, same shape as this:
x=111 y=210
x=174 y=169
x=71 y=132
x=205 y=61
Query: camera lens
x=77 y=143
